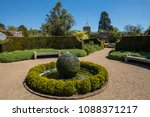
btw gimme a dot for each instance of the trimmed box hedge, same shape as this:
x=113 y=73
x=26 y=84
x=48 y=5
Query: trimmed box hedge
x=69 y=87
x=134 y=43
x=22 y=43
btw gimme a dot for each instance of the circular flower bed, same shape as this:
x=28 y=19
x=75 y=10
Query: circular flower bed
x=94 y=77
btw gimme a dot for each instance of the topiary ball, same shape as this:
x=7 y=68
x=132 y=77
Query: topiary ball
x=68 y=65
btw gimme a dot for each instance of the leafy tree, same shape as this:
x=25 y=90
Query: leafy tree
x=58 y=22
x=147 y=31
x=133 y=30
x=114 y=35
x=12 y=28
x=105 y=22
x=81 y=35
x=2 y=26
x=24 y=30
x=34 y=33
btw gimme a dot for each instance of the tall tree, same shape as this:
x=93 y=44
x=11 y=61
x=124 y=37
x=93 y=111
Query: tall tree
x=58 y=22
x=24 y=30
x=2 y=26
x=105 y=22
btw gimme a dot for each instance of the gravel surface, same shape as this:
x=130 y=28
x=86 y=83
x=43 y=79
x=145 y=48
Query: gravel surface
x=126 y=81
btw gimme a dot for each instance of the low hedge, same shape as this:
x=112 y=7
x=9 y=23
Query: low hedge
x=77 y=52
x=20 y=55
x=69 y=87
x=120 y=55
x=90 y=48
x=134 y=43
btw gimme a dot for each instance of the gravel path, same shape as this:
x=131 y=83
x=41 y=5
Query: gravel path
x=126 y=81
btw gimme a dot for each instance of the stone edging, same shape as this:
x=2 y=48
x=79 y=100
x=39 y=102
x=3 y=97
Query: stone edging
x=74 y=97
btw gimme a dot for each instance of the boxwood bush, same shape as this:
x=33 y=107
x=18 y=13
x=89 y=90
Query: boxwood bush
x=69 y=87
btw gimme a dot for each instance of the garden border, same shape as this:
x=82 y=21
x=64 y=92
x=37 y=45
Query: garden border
x=74 y=97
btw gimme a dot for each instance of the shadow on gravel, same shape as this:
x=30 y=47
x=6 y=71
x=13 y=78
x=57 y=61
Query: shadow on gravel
x=139 y=64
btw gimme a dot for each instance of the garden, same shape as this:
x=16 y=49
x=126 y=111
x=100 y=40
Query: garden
x=82 y=69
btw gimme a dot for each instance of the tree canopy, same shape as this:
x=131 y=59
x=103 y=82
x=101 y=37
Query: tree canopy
x=58 y=21
x=105 y=22
x=24 y=30
x=133 y=30
x=2 y=26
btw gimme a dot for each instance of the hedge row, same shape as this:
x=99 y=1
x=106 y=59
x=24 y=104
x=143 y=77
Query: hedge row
x=120 y=55
x=134 y=43
x=22 y=43
x=66 y=87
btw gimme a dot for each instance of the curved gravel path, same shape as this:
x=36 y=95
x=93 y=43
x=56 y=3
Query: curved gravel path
x=126 y=81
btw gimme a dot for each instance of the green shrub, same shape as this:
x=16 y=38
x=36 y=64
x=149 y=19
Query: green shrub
x=85 y=86
x=69 y=88
x=59 y=87
x=95 y=83
x=77 y=52
x=134 y=43
x=90 y=48
x=68 y=65
x=16 y=56
x=66 y=87
x=19 y=55
x=120 y=55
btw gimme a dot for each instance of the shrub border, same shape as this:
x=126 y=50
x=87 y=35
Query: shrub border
x=100 y=74
x=74 y=97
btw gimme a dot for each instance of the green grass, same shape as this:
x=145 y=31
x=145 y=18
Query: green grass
x=20 y=55
x=119 y=55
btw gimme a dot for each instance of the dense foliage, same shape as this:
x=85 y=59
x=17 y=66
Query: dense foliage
x=22 y=43
x=81 y=35
x=91 y=47
x=60 y=87
x=24 y=30
x=58 y=22
x=105 y=22
x=2 y=26
x=134 y=43
x=68 y=65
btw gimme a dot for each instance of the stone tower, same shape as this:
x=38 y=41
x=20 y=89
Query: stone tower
x=87 y=28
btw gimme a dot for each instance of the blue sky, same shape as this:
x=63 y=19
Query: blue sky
x=32 y=13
